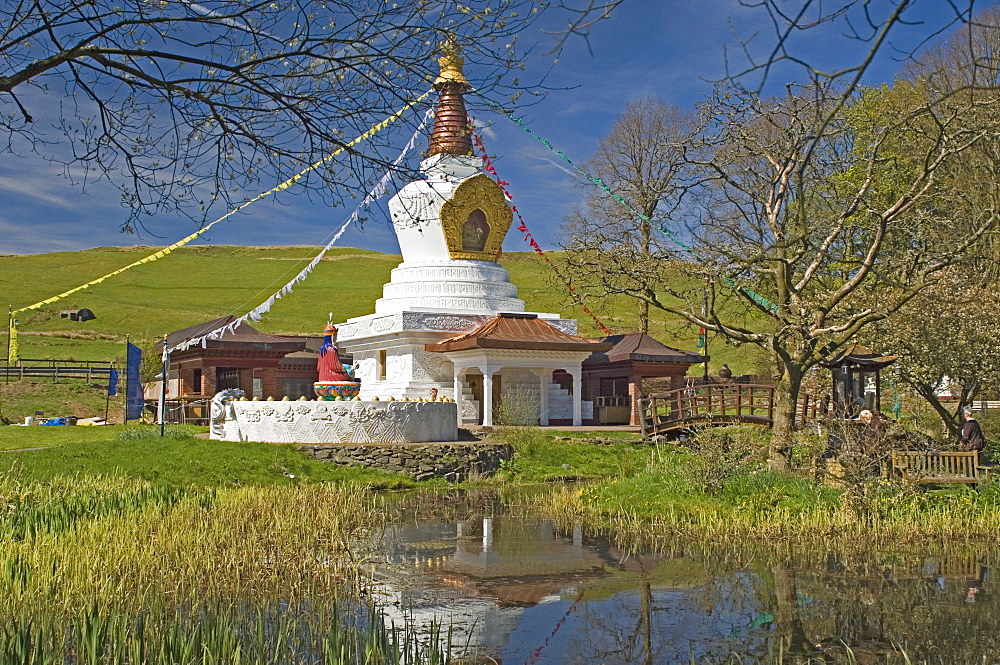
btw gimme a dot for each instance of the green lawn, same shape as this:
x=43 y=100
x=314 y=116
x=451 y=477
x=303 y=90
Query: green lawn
x=67 y=397
x=41 y=453
x=547 y=455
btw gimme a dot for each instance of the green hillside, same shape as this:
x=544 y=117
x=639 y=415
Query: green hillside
x=196 y=284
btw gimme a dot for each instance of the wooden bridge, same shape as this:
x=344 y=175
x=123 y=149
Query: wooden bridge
x=714 y=404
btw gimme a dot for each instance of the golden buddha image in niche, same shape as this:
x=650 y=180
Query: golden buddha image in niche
x=475 y=231
x=475 y=219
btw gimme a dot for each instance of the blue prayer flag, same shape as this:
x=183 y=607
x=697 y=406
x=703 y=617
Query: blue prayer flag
x=134 y=394
x=113 y=382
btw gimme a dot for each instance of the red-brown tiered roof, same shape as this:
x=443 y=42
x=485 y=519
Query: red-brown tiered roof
x=518 y=331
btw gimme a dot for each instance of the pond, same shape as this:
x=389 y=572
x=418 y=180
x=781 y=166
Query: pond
x=514 y=588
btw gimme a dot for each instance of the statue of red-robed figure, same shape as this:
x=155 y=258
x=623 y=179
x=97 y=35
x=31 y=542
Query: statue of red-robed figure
x=335 y=382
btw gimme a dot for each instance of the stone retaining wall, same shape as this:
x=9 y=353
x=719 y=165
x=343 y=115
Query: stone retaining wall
x=421 y=461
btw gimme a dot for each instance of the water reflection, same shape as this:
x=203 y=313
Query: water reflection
x=514 y=589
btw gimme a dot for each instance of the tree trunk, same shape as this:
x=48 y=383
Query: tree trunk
x=786 y=397
x=951 y=421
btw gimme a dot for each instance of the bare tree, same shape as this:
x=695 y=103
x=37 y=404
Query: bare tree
x=641 y=160
x=968 y=59
x=179 y=104
x=816 y=217
x=824 y=210
x=827 y=215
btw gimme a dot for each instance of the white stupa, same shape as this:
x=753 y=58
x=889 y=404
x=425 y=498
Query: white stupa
x=450 y=227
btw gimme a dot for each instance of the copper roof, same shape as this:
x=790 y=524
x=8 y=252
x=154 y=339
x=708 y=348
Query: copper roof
x=518 y=331
x=244 y=335
x=640 y=347
x=858 y=355
x=451 y=134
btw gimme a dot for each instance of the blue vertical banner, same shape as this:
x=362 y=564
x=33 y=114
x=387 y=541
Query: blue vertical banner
x=113 y=382
x=133 y=392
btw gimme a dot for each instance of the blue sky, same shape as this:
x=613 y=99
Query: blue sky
x=670 y=49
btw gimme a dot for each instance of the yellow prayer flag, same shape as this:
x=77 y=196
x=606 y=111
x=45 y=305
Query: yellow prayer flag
x=12 y=357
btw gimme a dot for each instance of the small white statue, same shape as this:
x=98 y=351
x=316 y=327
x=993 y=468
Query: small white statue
x=222 y=411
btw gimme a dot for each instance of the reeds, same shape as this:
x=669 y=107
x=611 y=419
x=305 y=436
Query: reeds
x=109 y=570
x=219 y=635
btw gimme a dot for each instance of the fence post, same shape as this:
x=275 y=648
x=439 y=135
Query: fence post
x=642 y=417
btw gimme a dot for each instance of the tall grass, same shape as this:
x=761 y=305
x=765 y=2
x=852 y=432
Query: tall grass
x=145 y=543
x=218 y=635
x=111 y=570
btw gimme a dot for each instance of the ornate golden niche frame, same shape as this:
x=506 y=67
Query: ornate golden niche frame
x=480 y=192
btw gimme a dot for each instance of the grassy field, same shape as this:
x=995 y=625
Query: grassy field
x=119 y=546
x=650 y=493
x=67 y=397
x=199 y=283
x=196 y=284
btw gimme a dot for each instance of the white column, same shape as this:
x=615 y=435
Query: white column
x=577 y=374
x=544 y=380
x=488 y=395
x=487 y=532
x=458 y=392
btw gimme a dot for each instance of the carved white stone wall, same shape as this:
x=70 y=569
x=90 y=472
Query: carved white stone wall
x=429 y=366
x=398 y=365
x=567 y=326
x=342 y=422
x=367 y=366
x=397 y=322
x=564 y=410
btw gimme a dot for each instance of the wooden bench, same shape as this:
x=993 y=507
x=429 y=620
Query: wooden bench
x=932 y=468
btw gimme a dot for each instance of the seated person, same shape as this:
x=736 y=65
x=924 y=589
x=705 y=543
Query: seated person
x=973 y=439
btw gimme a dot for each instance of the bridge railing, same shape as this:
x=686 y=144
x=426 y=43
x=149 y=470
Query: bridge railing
x=715 y=402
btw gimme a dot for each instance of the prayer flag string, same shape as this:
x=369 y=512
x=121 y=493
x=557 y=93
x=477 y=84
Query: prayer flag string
x=728 y=281
x=374 y=129
x=523 y=228
x=258 y=312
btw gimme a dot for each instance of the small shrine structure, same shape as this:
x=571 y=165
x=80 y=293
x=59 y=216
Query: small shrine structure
x=522 y=342
x=450 y=225
x=857 y=379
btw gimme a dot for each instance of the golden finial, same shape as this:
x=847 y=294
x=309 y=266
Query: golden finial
x=451 y=65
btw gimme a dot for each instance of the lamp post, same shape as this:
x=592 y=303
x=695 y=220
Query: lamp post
x=704 y=331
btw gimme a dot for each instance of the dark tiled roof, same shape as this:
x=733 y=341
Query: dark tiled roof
x=639 y=347
x=857 y=355
x=518 y=331
x=245 y=334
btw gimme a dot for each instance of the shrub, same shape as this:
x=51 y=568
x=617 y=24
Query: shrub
x=516 y=418
x=725 y=451
x=518 y=408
